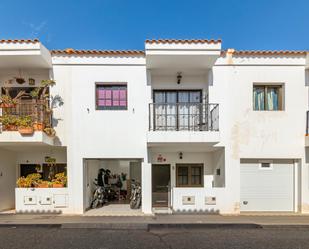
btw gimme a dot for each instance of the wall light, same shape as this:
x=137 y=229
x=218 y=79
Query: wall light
x=179 y=77
x=180 y=155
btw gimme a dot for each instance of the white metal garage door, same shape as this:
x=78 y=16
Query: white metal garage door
x=266 y=189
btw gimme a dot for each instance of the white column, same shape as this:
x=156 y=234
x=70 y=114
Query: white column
x=146 y=188
x=296 y=186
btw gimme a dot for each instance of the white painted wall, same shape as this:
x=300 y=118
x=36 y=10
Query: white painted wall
x=252 y=134
x=244 y=133
x=101 y=133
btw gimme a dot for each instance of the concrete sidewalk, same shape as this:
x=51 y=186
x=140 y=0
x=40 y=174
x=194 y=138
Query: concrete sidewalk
x=157 y=221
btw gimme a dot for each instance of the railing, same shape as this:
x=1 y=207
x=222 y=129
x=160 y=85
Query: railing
x=38 y=111
x=183 y=117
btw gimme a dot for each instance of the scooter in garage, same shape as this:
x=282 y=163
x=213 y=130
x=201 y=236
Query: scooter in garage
x=99 y=196
x=136 y=196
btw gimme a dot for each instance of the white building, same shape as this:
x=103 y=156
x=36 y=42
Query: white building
x=203 y=129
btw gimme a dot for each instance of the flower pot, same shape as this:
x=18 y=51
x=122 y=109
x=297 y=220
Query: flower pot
x=20 y=80
x=25 y=130
x=42 y=185
x=38 y=126
x=7 y=105
x=10 y=128
x=57 y=185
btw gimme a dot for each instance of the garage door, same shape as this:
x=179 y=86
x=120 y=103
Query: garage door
x=267 y=186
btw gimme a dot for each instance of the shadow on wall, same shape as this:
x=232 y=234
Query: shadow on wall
x=56 y=101
x=39 y=212
x=197 y=211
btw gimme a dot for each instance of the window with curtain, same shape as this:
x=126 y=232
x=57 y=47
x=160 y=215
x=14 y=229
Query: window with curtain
x=111 y=97
x=267 y=97
x=189 y=175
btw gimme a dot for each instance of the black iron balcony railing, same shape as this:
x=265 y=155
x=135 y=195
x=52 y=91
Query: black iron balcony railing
x=38 y=110
x=183 y=117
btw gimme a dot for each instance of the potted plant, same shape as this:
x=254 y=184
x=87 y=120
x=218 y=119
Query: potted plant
x=23 y=182
x=50 y=132
x=38 y=126
x=25 y=125
x=9 y=122
x=32 y=180
x=60 y=180
x=20 y=80
x=6 y=99
x=43 y=184
x=7 y=102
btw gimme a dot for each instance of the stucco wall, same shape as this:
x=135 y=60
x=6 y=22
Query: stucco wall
x=260 y=134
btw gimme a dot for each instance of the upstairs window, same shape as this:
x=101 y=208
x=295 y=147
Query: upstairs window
x=267 y=97
x=111 y=97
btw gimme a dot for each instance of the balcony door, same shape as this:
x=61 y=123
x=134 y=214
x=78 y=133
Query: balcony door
x=177 y=110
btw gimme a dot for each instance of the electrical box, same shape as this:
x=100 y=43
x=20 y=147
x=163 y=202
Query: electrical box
x=210 y=200
x=188 y=200
x=30 y=200
x=60 y=201
x=45 y=200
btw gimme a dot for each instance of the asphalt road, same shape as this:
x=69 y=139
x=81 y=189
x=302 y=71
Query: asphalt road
x=54 y=238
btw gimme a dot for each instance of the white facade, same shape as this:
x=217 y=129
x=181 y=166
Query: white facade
x=225 y=143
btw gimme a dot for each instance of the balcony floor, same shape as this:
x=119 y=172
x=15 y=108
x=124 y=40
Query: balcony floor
x=157 y=137
x=14 y=137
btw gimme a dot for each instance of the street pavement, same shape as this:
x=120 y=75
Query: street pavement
x=214 y=238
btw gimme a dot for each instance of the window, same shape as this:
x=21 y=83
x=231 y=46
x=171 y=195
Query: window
x=111 y=96
x=43 y=170
x=267 y=97
x=189 y=175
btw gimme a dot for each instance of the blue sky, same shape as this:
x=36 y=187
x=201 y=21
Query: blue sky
x=125 y=24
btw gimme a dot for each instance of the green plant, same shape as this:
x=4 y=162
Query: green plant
x=50 y=131
x=22 y=182
x=32 y=180
x=8 y=120
x=41 y=92
x=6 y=98
x=24 y=121
x=60 y=178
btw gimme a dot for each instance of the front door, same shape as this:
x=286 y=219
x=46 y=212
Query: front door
x=160 y=185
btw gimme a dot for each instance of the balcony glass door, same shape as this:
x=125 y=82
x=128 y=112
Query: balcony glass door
x=177 y=110
x=165 y=110
x=189 y=110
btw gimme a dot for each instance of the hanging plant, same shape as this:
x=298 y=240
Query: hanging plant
x=20 y=80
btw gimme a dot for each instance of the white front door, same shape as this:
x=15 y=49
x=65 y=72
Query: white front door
x=267 y=187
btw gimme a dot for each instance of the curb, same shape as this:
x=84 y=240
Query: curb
x=204 y=226
x=107 y=226
x=156 y=226
x=13 y=225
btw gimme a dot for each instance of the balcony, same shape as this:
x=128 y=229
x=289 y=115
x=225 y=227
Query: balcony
x=39 y=115
x=183 y=123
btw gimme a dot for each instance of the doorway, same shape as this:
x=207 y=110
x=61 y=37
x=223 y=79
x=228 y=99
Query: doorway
x=161 y=175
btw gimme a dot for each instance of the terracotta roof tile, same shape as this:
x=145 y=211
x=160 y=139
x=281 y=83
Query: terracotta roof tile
x=71 y=51
x=264 y=52
x=182 y=41
x=19 y=41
